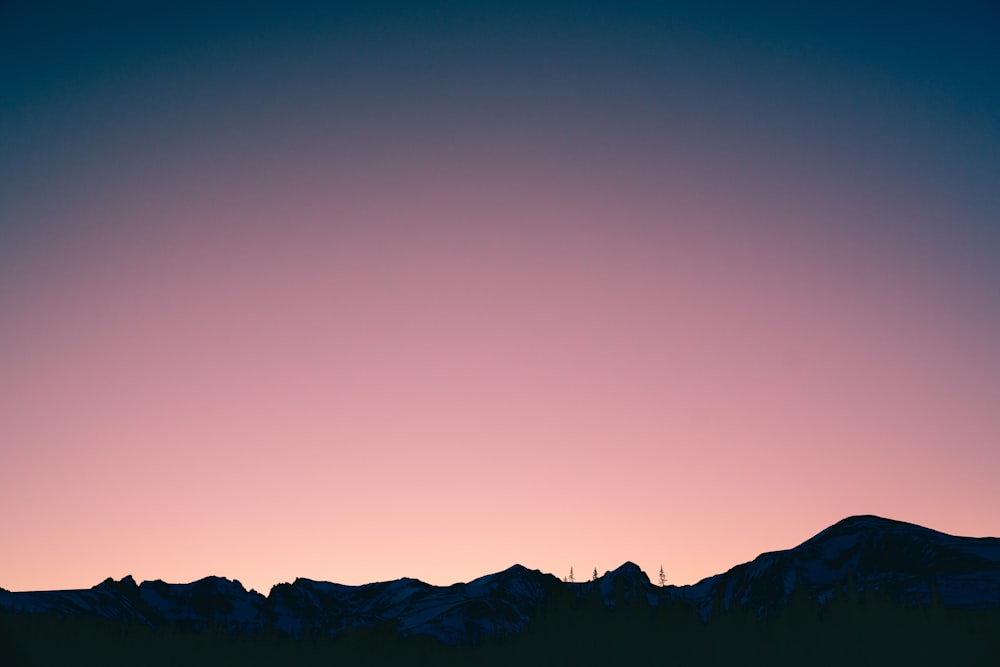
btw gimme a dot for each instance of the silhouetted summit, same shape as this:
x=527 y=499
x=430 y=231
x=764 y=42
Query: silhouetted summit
x=629 y=570
x=869 y=524
x=907 y=561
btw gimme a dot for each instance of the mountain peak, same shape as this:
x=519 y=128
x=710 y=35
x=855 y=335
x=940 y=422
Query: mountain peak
x=867 y=521
x=125 y=582
x=629 y=569
x=853 y=527
x=213 y=582
x=516 y=568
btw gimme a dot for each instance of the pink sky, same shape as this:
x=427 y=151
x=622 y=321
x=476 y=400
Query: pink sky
x=407 y=346
x=453 y=372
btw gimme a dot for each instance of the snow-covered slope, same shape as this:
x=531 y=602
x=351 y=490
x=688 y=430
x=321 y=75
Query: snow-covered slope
x=495 y=605
x=909 y=562
x=211 y=601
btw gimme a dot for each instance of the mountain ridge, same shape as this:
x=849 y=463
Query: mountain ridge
x=866 y=553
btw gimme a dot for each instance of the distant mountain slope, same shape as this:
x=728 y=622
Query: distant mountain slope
x=495 y=605
x=908 y=562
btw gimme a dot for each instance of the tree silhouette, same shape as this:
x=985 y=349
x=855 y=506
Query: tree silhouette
x=663 y=577
x=571 y=577
x=594 y=578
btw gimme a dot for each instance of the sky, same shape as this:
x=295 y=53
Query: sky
x=358 y=291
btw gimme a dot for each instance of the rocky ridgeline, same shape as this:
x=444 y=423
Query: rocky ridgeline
x=912 y=564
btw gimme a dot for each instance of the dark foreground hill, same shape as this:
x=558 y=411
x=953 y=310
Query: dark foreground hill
x=864 y=591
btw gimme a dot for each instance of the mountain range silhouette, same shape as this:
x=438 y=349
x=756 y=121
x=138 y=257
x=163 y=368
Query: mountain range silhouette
x=906 y=562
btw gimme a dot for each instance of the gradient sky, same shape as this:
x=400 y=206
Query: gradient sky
x=425 y=290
